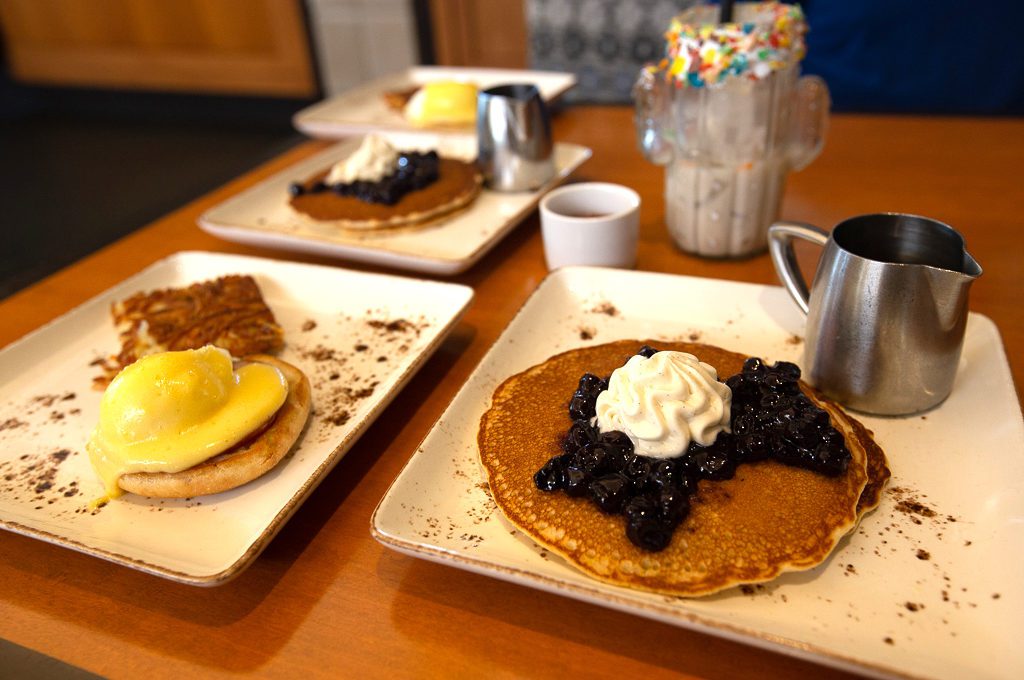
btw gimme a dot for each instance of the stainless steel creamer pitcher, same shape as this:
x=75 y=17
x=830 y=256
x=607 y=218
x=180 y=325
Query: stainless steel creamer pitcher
x=886 y=312
x=515 y=151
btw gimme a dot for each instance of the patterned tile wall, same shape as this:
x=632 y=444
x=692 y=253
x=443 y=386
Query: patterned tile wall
x=604 y=42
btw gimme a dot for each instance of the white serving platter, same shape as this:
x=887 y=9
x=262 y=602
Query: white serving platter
x=261 y=216
x=928 y=586
x=48 y=408
x=362 y=109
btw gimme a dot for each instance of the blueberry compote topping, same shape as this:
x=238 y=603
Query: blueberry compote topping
x=413 y=171
x=771 y=418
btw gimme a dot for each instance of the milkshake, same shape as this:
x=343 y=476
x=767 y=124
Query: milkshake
x=728 y=116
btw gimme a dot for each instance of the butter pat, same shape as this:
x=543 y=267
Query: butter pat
x=374 y=160
x=664 y=402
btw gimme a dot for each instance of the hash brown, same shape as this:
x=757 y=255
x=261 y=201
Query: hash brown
x=228 y=312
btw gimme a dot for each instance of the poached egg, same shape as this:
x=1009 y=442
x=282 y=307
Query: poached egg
x=170 y=411
x=443 y=102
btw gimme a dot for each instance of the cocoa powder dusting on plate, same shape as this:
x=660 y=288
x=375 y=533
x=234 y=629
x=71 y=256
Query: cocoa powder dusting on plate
x=606 y=308
x=344 y=375
x=12 y=423
x=33 y=477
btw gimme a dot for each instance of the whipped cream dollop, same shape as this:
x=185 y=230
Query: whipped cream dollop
x=374 y=160
x=664 y=402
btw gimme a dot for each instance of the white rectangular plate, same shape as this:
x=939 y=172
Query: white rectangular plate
x=261 y=216
x=362 y=109
x=336 y=326
x=929 y=585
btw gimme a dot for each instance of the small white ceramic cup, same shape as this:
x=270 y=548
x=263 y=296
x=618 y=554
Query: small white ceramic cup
x=592 y=223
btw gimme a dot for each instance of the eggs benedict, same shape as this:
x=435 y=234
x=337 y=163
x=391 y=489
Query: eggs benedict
x=443 y=102
x=195 y=422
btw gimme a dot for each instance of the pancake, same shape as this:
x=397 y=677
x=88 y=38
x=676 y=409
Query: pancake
x=458 y=183
x=877 y=468
x=768 y=519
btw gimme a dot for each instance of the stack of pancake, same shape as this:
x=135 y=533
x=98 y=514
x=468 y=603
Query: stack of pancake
x=457 y=186
x=768 y=519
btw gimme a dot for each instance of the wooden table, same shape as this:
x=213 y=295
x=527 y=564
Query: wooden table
x=325 y=598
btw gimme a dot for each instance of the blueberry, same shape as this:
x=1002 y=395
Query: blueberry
x=687 y=482
x=638 y=469
x=673 y=506
x=753 y=365
x=580 y=433
x=782 y=451
x=591 y=384
x=582 y=407
x=551 y=476
x=649 y=533
x=638 y=507
x=742 y=425
x=615 y=441
x=610 y=492
x=788 y=370
x=713 y=464
x=296 y=189
x=794 y=433
x=592 y=459
x=830 y=436
x=831 y=460
x=820 y=418
x=752 y=447
x=577 y=481
x=647 y=351
x=663 y=474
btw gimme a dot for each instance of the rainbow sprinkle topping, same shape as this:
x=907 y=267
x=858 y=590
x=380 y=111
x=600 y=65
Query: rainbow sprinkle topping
x=706 y=54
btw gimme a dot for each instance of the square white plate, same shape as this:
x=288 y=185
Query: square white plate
x=362 y=109
x=48 y=409
x=930 y=583
x=261 y=216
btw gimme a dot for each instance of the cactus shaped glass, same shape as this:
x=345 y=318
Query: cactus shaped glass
x=728 y=144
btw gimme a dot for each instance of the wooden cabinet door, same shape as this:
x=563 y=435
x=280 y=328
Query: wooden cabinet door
x=479 y=33
x=250 y=47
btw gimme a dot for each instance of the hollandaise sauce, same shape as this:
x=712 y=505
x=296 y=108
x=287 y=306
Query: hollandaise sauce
x=443 y=102
x=170 y=411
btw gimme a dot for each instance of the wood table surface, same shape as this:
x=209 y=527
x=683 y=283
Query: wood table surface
x=326 y=599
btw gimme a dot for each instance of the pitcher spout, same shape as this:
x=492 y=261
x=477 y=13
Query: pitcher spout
x=971 y=267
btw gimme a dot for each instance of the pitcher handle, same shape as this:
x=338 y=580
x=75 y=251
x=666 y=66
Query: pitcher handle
x=780 y=244
x=810 y=122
